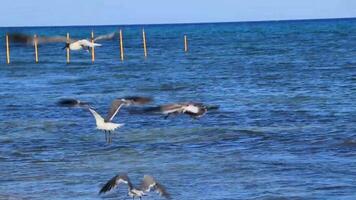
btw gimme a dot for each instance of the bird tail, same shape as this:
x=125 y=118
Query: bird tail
x=119 y=125
x=96 y=45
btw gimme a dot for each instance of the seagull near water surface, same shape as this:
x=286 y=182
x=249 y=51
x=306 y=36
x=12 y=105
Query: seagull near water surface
x=148 y=184
x=72 y=44
x=29 y=39
x=194 y=110
x=81 y=44
x=106 y=124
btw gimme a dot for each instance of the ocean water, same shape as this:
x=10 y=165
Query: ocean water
x=285 y=129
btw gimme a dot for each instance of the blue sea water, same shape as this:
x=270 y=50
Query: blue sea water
x=286 y=127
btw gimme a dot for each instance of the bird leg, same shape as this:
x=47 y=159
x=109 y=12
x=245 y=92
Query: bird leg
x=106 y=137
x=110 y=137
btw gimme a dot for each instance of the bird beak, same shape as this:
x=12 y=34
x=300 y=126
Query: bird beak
x=66 y=46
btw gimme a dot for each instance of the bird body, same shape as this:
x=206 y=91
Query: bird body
x=148 y=184
x=81 y=44
x=101 y=124
x=194 y=110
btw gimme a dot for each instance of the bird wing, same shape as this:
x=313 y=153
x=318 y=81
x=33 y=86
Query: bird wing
x=137 y=100
x=114 y=182
x=68 y=102
x=109 y=36
x=149 y=183
x=53 y=39
x=114 y=109
x=161 y=190
x=96 y=115
x=29 y=39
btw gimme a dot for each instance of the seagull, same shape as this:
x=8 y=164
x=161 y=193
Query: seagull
x=194 y=110
x=106 y=124
x=28 y=39
x=68 y=102
x=148 y=184
x=81 y=44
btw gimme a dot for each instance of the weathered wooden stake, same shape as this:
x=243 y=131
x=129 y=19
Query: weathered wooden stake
x=68 y=50
x=121 y=46
x=7 y=49
x=35 y=40
x=92 y=48
x=185 y=43
x=144 y=42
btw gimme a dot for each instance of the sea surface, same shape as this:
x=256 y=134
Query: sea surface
x=285 y=128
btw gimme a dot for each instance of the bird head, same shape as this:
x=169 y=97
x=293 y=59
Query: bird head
x=66 y=46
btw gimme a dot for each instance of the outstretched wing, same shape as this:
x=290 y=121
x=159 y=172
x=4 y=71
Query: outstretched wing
x=161 y=190
x=114 y=182
x=109 y=36
x=29 y=39
x=53 y=39
x=69 y=102
x=114 y=109
x=137 y=100
x=149 y=183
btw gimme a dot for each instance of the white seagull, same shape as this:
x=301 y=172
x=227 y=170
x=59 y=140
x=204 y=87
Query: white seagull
x=81 y=44
x=148 y=184
x=194 y=110
x=28 y=39
x=106 y=124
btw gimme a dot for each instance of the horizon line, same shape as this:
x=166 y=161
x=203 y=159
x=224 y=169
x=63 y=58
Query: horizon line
x=188 y=23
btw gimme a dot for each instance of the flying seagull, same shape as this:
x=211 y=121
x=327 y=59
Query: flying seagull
x=81 y=44
x=148 y=184
x=28 y=39
x=106 y=124
x=69 y=102
x=194 y=110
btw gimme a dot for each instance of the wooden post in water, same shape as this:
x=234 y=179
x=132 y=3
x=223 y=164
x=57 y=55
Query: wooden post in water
x=35 y=40
x=121 y=46
x=7 y=49
x=92 y=48
x=68 y=50
x=144 y=43
x=185 y=43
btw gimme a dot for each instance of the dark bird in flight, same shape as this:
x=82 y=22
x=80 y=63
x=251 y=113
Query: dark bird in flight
x=69 y=102
x=148 y=184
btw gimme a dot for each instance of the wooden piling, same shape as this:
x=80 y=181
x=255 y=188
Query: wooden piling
x=144 y=43
x=68 y=49
x=35 y=40
x=121 y=46
x=92 y=48
x=7 y=49
x=185 y=43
